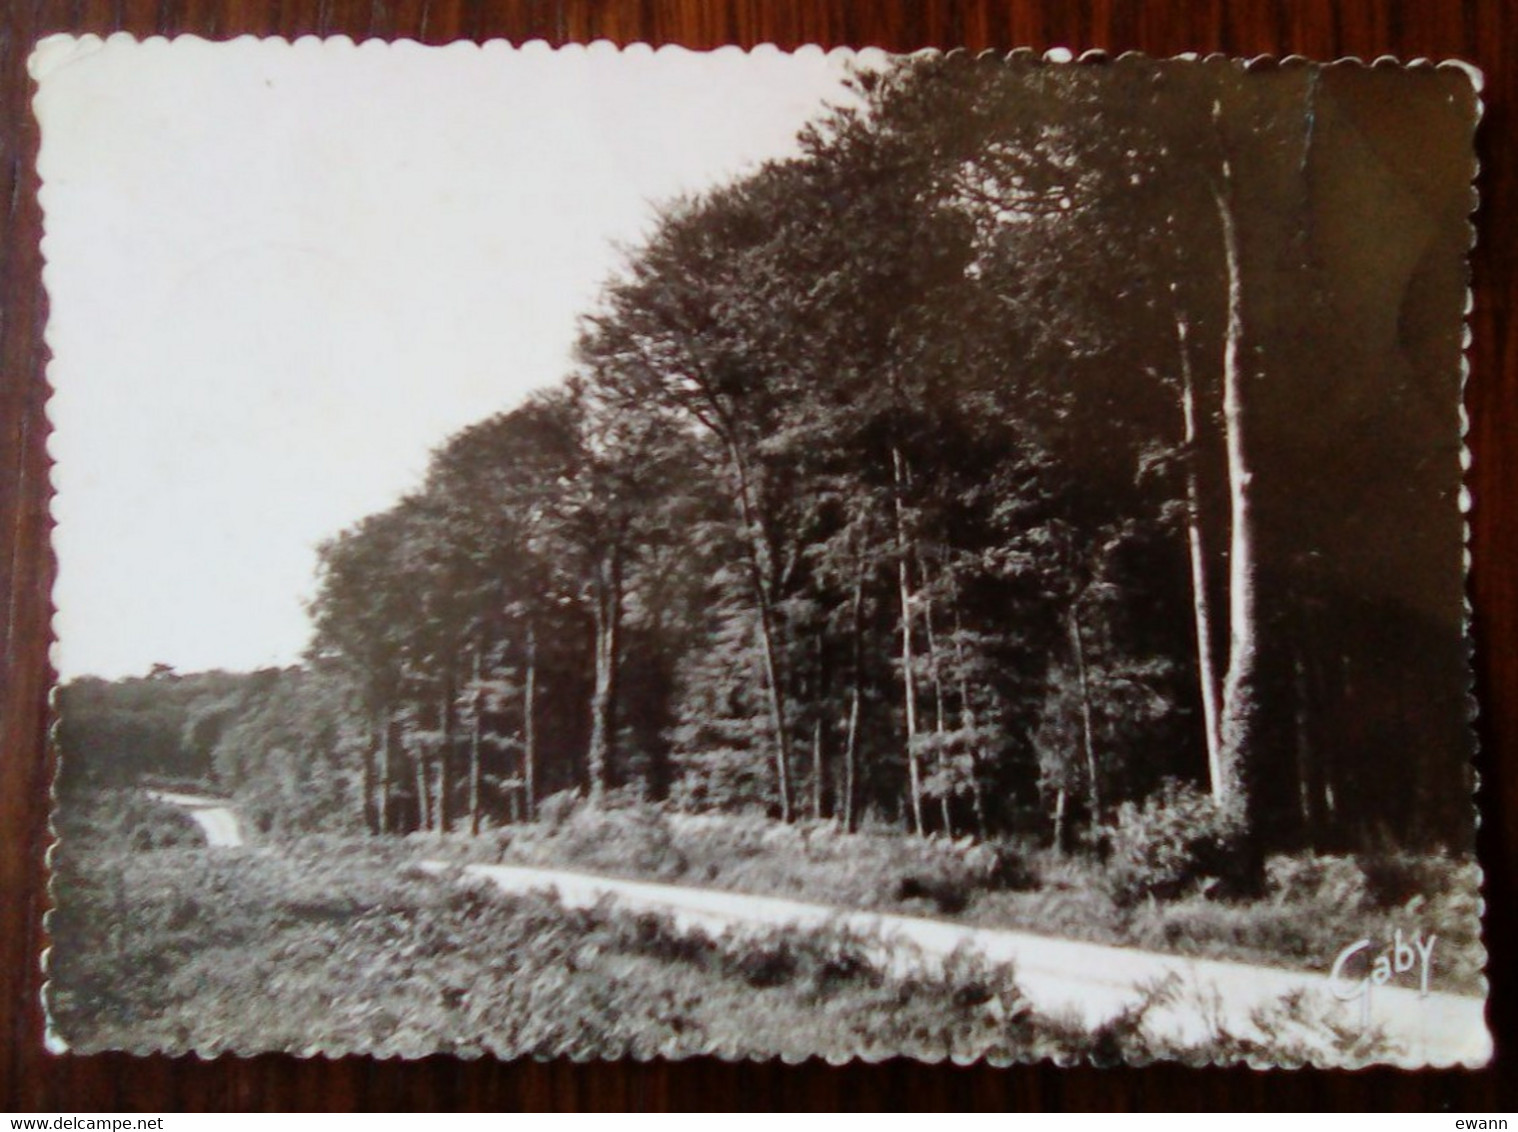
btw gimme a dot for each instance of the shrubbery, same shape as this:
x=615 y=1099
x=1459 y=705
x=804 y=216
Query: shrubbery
x=1314 y=905
x=342 y=943
x=314 y=950
x=1168 y=882
x=1006 y=866
x=812 y=861
x=1176 y=839
x=1334 y=882
x=946 y=888
x=124 y=819
x=338 y=948
x=626 y=840
x=1395 y=879
x=556 y=809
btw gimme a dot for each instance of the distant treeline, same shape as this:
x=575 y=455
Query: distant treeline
x=1038 y=435
x=160 y=727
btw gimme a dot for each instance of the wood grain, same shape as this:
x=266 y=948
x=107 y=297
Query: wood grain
x=1479 y=31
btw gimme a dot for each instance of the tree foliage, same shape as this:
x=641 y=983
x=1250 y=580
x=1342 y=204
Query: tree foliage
x=942 y=473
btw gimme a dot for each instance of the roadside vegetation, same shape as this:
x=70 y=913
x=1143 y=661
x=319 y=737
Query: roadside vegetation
x=338 y=941
x=337 y=945
x=1312 y=906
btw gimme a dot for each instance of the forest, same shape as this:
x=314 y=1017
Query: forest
x=1042 y=448
x=1029 y=517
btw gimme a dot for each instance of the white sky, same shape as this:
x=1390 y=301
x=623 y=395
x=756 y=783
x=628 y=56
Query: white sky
x=279 y=276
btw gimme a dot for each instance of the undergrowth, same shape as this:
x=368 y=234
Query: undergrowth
x=344 y=946
x=1181 y=901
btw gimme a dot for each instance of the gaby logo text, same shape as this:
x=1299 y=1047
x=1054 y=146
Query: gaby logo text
x=1400 y=957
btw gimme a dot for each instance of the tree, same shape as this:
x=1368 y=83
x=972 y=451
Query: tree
x=615 y=504
x=293 y=757
x=496 y=484
x=677 y=333
x=933 y=472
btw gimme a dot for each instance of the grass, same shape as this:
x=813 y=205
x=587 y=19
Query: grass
x=344 y=946
x=747 y=853
x=313 y=950
x=347 y=947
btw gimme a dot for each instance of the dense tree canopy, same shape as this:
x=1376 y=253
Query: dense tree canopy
x=953 y=472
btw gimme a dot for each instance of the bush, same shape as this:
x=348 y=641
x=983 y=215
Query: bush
x=1330 y=882
x=1394 y=879
x=127 y=820
x=556 y=809
x=630 y=841
x=1176 y=839
x=947 y=888
x=768 y=961
x=1004 y=866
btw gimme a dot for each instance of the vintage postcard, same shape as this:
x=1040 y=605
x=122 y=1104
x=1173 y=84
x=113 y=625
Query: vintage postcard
x=628 y=553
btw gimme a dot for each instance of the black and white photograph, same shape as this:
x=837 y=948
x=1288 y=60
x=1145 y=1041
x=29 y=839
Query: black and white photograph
x=626 y=553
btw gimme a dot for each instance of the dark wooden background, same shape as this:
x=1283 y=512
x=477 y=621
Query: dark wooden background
x=1480 y=31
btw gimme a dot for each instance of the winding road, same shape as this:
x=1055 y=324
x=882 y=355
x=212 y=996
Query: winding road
x=214 y=816
x=1087 y=981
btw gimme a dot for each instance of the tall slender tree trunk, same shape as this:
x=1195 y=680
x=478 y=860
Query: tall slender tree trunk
x=1240 y=708
x=386 y=770
x=759 y=572
x=476 y=726
x=908 y=675
x=817 y=769
x=977 y=796
x=530 y=725
x=1201 y=604
x=1306 y=810
x=967 y=714
x=366 y=808
x=1083 y=689
x=819 y=698
x=446 y=710
x=856 y=695
x=777 y=713
x=608 y=607
x=423 y=803
x=599 y=752
x=940 y=721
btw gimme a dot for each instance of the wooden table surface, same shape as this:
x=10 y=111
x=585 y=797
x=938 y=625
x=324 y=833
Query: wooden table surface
x=1479 y=31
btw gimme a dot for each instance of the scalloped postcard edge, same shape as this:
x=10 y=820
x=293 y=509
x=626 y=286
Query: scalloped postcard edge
x=57 y=51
